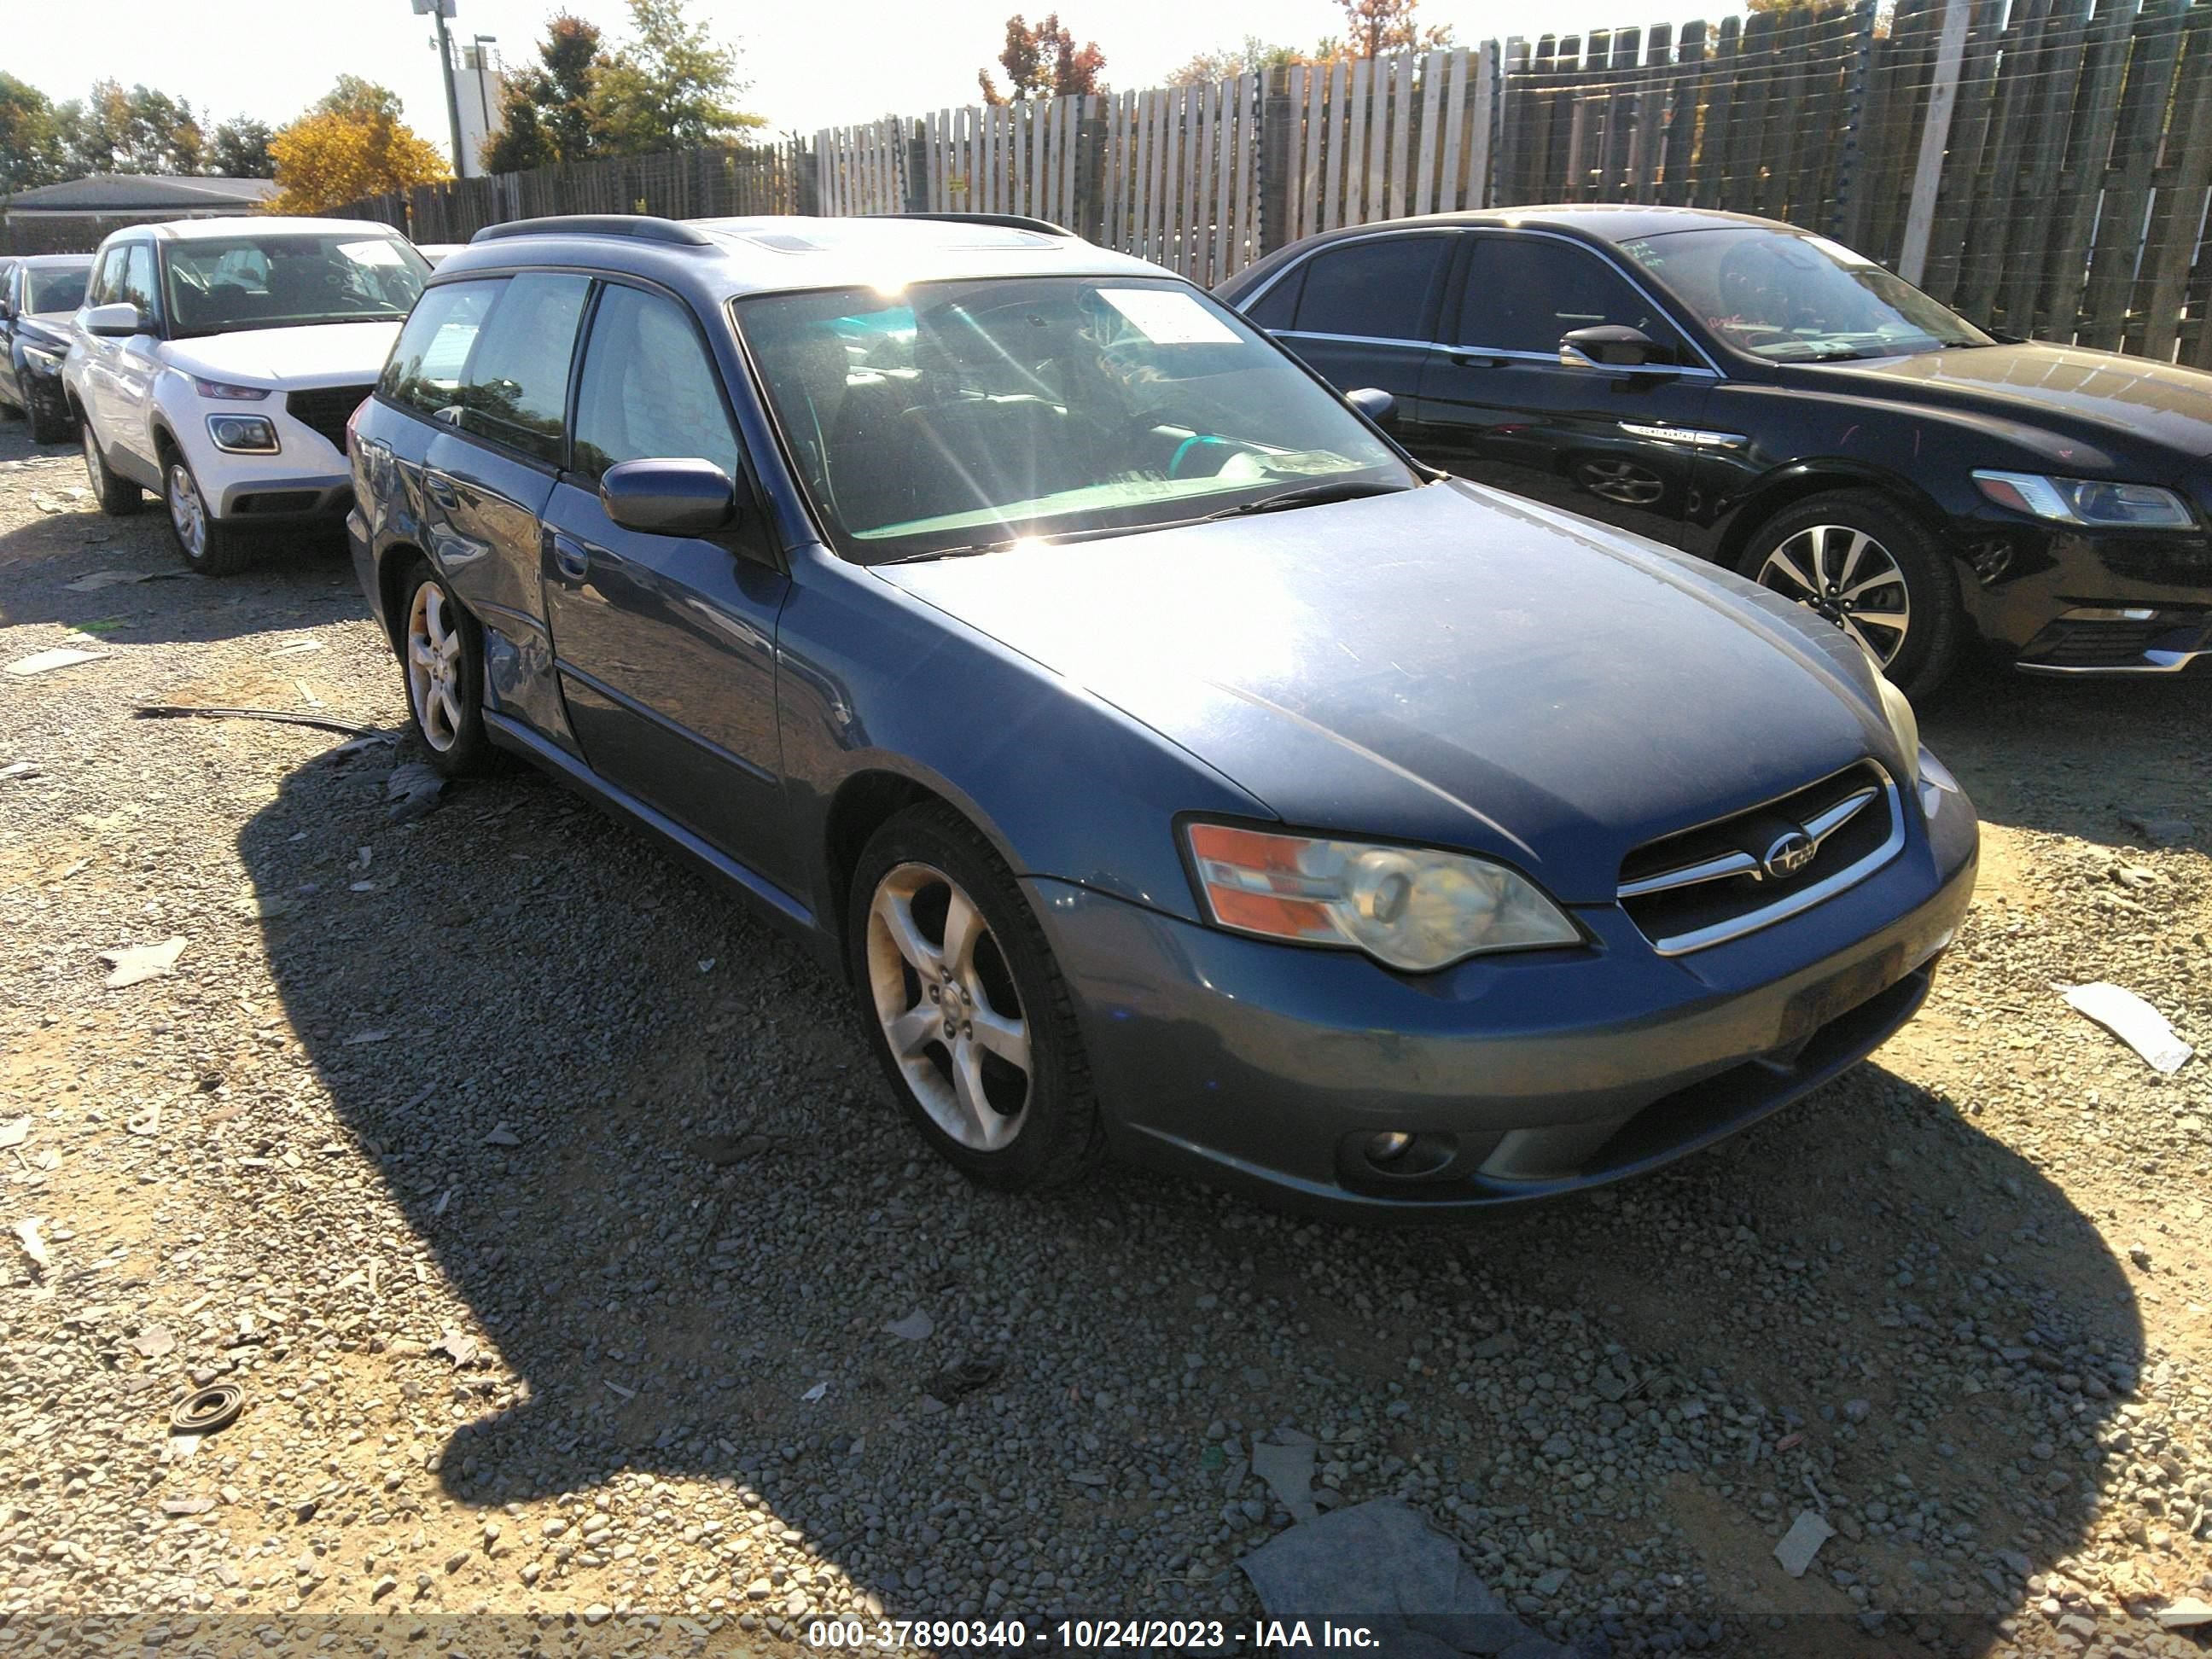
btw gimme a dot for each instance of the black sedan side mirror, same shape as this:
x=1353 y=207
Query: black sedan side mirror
x=1608 y=345
x=671 y=496
x=1377 y=405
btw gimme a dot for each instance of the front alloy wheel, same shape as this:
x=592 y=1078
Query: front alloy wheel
x=964 y=1005
x=209 y=545
x=949 y=1012
x=1850 y=579
x=1876 y=570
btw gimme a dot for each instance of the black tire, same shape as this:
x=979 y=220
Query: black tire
x=1924 y=656
x=457 y=744
x=117 y=497
x=47 y=428
x=1057 y=1134
x=204 y=542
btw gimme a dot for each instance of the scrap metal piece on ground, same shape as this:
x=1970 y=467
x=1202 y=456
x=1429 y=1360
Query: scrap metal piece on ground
x=2188 y=1613
x=166 y=711
x=2133 y=1021
x=1803 y=1542
x=1381 y=1565
x=47 y=661
x=134 y=963
x=208 y=1410
x=1288 y=1470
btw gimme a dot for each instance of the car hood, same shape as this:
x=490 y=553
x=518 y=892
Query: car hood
x=48 y=328
x=322 y=354
x=2096 y=392
x=1448 y=665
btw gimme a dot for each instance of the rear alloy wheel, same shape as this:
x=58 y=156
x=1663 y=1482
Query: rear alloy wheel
x=118 y=497
x=210 y=546
x=1874 y=571
x=443 y=664
x=964 y=1007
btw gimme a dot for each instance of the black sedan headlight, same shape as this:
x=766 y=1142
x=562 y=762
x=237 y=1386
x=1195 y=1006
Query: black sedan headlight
x=1416 y=909
x=2089 y=502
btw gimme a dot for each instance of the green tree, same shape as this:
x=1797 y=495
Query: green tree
x=547 y=114
x=1042 y=61
x=671 y=87
x=33 y=149
x=240 y=149
x=1253 y=56
x=134 y=131
x=1375 y=27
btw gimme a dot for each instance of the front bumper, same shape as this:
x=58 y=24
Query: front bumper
x=2078 y=602
x=1270 y=1068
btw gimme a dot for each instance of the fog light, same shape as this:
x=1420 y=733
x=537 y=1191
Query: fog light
x=1388 y=1145
x=248 y=434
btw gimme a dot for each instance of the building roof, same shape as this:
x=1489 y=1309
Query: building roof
x=143 y=192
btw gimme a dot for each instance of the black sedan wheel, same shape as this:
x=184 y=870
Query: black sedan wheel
x=964 y=1007
x=1874 y=571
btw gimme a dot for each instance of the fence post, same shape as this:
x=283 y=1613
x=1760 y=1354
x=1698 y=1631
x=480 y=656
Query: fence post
x=1935 y=135
x=1855 y=107
x=1090 y=207
x=1279 y=126
x=806 y=173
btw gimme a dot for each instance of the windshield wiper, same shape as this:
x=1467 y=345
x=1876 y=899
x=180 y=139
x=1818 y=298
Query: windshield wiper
x=931 y=556
x=1317 y=495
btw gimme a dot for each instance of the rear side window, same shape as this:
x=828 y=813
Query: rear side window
x=1377 y=288
x=516 y=389
x=432 y=355
x=649 y=391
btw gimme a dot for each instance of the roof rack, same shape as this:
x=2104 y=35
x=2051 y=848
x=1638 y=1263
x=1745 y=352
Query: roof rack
x=642 y=225
x=1004 y=221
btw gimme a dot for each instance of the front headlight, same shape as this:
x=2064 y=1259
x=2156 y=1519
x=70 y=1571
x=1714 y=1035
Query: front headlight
x=222 y=391
x=245 y=435
x=2087 y=500
x=1904 y=724
x=1414 y=907
x=48 y=360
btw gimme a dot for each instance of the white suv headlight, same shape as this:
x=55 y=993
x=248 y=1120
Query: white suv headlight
x=222 y=391
x=1411 y=908
x=243 y=434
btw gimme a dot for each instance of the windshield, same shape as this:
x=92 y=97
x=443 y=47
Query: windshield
x=1792 y=297
x=218 y=286
x=961 y=415
x=54 y=290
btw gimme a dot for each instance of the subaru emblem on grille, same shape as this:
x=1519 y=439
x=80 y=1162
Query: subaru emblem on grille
x=1791 y=852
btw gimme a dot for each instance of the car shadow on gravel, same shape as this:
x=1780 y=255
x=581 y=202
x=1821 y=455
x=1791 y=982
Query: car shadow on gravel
x=637 y=1136
x=2093 y=758
x=302 y=579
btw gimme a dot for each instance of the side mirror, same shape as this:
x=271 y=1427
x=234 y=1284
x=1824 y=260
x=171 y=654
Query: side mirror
x=673 y=496
x=117 y=321
x=1608 y=345
x=1377 y=405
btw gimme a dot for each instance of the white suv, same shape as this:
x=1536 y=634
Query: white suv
x=215 y=362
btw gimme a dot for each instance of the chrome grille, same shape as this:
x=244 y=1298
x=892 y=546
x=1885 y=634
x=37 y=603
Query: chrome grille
x=1703 y=886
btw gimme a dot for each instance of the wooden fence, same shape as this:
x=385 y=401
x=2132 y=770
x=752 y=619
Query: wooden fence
x=2044 y=165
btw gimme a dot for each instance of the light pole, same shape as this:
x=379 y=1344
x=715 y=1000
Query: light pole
x=441 y=10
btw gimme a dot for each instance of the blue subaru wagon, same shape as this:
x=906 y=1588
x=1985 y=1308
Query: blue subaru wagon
x=1173 y=767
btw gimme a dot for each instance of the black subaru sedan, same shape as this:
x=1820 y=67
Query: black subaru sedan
x=1768 y=399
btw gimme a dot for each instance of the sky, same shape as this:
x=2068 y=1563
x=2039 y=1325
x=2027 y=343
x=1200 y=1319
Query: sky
x=269 y=60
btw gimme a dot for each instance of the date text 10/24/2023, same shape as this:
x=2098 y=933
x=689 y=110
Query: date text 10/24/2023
x=1083 y=1635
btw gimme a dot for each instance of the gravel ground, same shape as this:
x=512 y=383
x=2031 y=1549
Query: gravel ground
x=550 y=1214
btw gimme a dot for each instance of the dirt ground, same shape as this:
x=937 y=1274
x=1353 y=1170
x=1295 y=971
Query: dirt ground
x=550 y=1216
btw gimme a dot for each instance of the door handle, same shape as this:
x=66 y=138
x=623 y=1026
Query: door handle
x=573 y=560
x=440 y=489
x=1468 y=357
